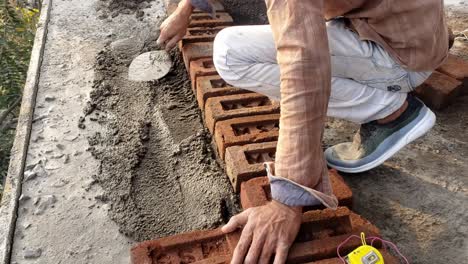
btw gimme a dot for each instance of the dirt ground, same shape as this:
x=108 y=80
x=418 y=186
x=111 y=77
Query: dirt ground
x=160 y=175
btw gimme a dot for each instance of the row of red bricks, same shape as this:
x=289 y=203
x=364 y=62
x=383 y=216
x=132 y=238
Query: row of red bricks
x=237 y=118
x=322 y=231
x=245 y=128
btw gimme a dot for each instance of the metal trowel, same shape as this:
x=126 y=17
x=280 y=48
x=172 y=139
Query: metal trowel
x=150 y=66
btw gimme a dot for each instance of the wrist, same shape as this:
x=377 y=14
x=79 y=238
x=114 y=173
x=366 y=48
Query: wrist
x=296 y=209
x=185 y=7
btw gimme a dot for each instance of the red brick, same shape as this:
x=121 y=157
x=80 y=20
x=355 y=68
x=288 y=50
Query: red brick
x=201 y=67
x=205 y=20
x=184 y=248
x=457 y=68
x=438 y=90
x=245 y=130
x=195 y=51
x=320 y=234
x=239 y=105
x=246 y=162
x=201 y=34
x=256 y=192
x=214 y=86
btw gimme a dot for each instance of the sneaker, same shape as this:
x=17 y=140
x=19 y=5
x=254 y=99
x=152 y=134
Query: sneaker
x=374 y=143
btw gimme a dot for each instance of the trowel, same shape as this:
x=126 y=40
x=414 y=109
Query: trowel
x=150 y=66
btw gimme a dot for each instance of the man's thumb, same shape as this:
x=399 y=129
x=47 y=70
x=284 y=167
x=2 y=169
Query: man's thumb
x=236 y=222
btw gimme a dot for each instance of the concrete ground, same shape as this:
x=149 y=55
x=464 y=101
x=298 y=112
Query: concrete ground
x=418 y=198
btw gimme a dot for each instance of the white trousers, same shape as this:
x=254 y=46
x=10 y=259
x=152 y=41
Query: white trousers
x=367 y=84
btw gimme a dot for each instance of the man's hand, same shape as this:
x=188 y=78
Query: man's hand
x=269 y=229
x=175 y=26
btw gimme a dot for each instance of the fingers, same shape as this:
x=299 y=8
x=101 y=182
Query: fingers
x=162 y=39
x=267 y=250
x=243 y=245
x=281 y=254
x=255 y=249
x=172 y=43
x=236 y=222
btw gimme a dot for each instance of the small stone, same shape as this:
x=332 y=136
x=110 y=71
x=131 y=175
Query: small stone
x=32 y=253
x=60 y=146
x=44 y=203
x=66 y=159
x=29 y=175
x=49 y=98
x=24 y=198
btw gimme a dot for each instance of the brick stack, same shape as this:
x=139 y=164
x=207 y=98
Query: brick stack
x=245 y=128
x=447 y=83
x=321 y=233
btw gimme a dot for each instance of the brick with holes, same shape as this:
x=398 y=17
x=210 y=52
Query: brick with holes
x=245 y=130
x=246 y=162
x=201 y=67
x=200 y=34
x=322 y=231
x=457 y=68
x=196 y=51
x=256 y=192
x=238 y=105
x=439 y=90
x=184 y=248
x=214 y=86
x=205 y=20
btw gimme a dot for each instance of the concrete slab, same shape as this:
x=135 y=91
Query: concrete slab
x=13 y=183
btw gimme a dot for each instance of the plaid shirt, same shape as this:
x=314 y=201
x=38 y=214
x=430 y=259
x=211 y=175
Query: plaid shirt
x=412 y=31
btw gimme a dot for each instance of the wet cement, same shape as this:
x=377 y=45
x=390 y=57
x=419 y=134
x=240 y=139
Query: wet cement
x=157 y=167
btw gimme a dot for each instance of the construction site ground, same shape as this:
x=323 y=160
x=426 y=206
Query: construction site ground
x=112 y=162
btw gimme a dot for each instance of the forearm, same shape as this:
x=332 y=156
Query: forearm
x=303 y=55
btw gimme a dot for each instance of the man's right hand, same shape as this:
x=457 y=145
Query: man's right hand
x=175 y=26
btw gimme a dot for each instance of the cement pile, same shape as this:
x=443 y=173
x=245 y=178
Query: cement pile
x=157 y=167
x=113 y=8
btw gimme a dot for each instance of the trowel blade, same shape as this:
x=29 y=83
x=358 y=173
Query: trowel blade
x=150 y=66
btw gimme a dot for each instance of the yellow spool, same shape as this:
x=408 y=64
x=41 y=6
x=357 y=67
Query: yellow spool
x=365 y=254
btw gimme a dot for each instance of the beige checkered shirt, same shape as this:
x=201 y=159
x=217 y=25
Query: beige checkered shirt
x=412 y=31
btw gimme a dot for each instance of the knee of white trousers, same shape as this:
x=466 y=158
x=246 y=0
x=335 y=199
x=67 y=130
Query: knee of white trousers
x=222 y=48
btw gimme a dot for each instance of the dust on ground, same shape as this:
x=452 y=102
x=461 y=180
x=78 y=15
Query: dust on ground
x=113 y=8
x=157 y=167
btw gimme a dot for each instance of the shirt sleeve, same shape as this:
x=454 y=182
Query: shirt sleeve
x=203 y=5
x=303 y=55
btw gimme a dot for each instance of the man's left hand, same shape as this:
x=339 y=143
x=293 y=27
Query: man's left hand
x=267 y=230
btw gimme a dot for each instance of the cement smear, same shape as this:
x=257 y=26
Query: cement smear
x=157 y=167
x=112 y=8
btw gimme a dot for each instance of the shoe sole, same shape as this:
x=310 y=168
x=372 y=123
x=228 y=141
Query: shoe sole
x=420 y=127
